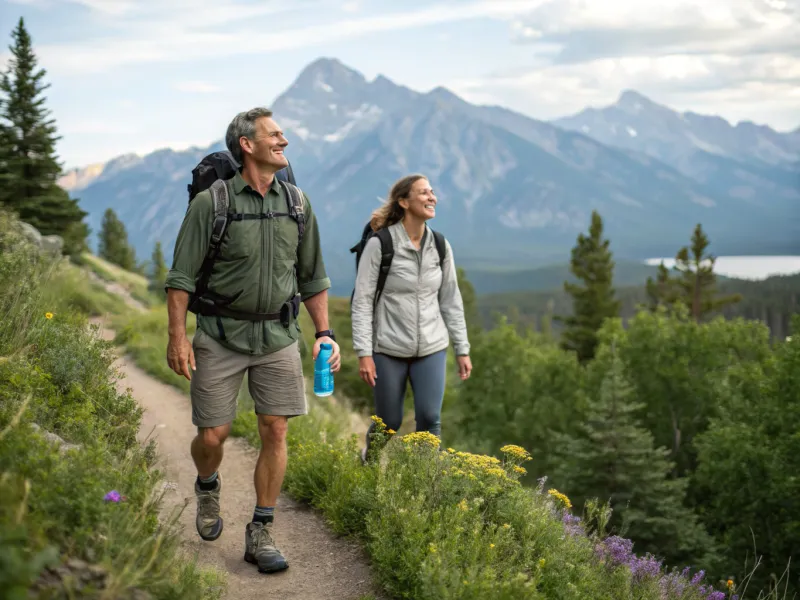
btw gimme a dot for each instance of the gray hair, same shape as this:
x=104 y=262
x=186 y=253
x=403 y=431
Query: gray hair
x=243 y=124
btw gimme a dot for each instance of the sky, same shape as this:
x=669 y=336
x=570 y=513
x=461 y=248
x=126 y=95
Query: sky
x=139 y=75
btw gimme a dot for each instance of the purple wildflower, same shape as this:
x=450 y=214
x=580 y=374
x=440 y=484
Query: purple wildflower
x=698 y=577
x=571 y=524
x=112 y=496
x=617 y=549
x=644 y=567
x=716 y=596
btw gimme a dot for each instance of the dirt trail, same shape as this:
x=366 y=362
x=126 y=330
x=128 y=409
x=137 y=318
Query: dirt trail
x=321 y=566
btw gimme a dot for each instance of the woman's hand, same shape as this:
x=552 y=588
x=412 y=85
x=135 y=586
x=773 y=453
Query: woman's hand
x=366 y=368
x=464 y=367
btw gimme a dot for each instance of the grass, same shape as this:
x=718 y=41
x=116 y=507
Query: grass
x=135 y=284
x=56 y=379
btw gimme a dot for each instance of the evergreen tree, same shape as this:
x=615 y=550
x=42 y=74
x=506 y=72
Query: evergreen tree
x=28 y=164
x=697 y=280
x=613 y=458
x=158 y=266
x=593 y=299
x=113 y=243
x=663 y=289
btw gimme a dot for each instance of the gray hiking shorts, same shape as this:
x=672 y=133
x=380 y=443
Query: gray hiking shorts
x=275 y=382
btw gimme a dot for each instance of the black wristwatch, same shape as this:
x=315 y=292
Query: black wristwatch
x=326 y=333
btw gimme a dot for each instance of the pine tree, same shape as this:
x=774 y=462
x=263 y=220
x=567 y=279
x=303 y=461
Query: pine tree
x=113 y=243
x=663 y=290
x=593 y=299
x=694 y=284
x=158 y=269
x=613 y=458
x=28 y=165
x=697 y=279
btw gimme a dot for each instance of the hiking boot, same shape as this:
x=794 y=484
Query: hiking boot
x=208 y=521
x=260 y=548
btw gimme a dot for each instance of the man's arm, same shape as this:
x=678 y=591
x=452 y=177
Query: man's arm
x=311 y=275
x=191 y=246
x=317 y=306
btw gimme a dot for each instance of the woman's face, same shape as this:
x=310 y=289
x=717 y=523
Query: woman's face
x=421 y=201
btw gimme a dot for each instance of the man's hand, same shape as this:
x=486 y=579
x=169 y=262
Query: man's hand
x=366 y=368
x=464 y=367
x=335 y=361
x=180 y=355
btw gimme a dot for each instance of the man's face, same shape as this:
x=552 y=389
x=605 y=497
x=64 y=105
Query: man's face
x=266 y=147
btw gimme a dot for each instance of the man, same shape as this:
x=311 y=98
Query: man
x=261 y=270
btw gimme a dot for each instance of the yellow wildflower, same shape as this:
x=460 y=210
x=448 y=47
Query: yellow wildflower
x=491 y=545
x=378 y=421
x=516 y=452
x=432 y=547
x=554 y=493
x=506 y=526
x=497 y=472
x=451 y=451
x=730 y=584
x=541 y=562
x=463 y=505
x=391 y=431
x=48 y=315
x=422 y=437
x=520 y=470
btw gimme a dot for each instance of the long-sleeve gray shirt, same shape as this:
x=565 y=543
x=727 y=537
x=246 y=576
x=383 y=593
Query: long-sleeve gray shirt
x=420 y=309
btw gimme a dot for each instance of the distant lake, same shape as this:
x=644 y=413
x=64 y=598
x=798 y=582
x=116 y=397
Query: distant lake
x=747 y=267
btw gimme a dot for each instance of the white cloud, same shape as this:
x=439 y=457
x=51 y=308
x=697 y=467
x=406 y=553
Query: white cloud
x=351 y=7
x=184 y=31
x=739 y=58
x=197 y=87
x=90 y=126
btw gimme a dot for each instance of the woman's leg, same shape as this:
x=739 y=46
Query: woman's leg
x=389 y=391
x=427 y=380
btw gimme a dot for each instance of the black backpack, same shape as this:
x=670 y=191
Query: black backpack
x=387 y=254
x=211 y=173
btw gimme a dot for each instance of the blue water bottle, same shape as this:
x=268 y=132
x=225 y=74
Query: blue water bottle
x=323 y=376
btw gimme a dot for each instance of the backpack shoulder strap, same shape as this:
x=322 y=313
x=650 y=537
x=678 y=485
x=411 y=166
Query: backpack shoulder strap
x=387 y=254
x=294 y=200
x=221 y=202
x=441 y=247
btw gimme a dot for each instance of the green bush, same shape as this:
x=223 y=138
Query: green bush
x=56 y=379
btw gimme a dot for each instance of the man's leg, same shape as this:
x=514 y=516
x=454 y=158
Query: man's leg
x=214 y=390
x=277 y=387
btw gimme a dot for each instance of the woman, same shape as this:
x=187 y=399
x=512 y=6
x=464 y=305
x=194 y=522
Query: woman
x=405 y=335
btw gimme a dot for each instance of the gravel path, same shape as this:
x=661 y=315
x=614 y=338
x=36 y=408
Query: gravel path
x=321 y=565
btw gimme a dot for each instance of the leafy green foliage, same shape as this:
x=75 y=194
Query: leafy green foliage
x=28 y=164
x=593 y=299
x=748 y=460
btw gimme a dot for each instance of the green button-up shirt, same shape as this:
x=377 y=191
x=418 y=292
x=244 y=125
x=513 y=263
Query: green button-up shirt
x=256 y=265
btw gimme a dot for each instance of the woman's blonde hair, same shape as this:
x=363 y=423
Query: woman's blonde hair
x=391 y=212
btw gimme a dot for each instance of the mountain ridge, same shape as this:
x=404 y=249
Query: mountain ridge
x=514 y=191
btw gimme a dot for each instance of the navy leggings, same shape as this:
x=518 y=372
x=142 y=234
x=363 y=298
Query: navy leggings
x=427 y=375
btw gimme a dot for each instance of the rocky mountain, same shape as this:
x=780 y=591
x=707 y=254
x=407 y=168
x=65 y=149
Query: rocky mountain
x=706 y=148
x=513 y=191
